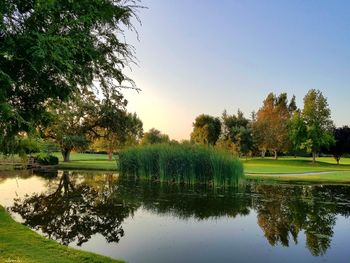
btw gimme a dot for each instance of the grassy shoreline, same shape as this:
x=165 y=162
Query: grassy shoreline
x=20 y=244
x=290 y=169
x=341 y=177
x=283 y=169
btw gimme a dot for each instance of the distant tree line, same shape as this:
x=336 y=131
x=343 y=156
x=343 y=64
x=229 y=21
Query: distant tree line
x=278 y=127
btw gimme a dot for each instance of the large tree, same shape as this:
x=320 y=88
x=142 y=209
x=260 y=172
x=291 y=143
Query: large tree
x=271 y=124
x=206 y=129
x=297 y=131
x=73 y=124
x=319 y=125
x=49 y=49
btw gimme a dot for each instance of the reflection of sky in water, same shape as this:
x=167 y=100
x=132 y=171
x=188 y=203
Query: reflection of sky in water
x=157 y=238
x=164 y=237
x=18 y=187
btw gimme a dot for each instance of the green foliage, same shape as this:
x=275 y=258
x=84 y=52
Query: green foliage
x=28 y=145
x=206 y=130
x=46 y=159
x=154 y=136
x=72 y=122
x=342 y=143
x=50 y=147
x=181 y=163
x=236 y=133
x=50 y=49
x=319 y=126
x=297 y=131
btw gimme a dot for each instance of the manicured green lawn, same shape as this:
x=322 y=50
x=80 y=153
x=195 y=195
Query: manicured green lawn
x=87 y=161
x=74 y=156
x=340 y=177
x=89 y=165
x=293 y=165
x=20 y=244
x=288 y=168
x=254 y=168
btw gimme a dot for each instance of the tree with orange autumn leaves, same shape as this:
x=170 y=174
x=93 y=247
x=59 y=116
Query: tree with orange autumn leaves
x=270 y=126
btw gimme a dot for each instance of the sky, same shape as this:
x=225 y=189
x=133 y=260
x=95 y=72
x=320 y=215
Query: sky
x=201 y=56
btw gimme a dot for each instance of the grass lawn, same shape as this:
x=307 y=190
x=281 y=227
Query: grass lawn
x=87 y=161
x=293 y=165
x=20 y=244
x=255 y=168
x=341 y=177
x=287 y=168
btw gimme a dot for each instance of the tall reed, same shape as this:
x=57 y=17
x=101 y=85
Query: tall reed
x=181 y=164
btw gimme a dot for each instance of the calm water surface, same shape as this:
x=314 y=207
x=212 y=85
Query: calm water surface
x=144 y=222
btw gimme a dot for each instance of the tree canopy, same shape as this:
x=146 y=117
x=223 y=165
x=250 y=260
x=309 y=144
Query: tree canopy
x=319 y=125
x=206 y=129
x=342 y=143
x=154 y=136
x=236 y=133
x=50 y=49
x=271 y=123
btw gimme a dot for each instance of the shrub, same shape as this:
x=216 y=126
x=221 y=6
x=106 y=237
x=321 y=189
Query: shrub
x=46 y=159
x=181 y=163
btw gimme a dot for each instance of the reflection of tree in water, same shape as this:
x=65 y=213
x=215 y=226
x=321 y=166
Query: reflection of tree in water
x=284 y=211
x=77 y=207
x=183 y=201
x=74 y=212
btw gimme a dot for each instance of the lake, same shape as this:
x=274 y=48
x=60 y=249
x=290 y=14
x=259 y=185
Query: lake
x=139 y=221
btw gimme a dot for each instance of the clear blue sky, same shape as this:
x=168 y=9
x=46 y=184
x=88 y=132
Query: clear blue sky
x=198 y=56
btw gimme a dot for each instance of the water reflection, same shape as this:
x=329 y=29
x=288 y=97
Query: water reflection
x=283 y=212
x=75 y=211
x=77 y=206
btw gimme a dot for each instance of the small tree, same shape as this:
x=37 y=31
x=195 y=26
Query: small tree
x=206 y=130
x=124 y=130
x=154 y=136
x=342 y=143
x=236 y=133
x=116 y=125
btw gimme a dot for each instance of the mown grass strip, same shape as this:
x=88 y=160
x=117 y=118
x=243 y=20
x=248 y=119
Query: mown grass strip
x=20 y=244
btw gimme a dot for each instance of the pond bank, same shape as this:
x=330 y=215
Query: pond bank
x=20 y=244
x=329 y=177
x=291 y=169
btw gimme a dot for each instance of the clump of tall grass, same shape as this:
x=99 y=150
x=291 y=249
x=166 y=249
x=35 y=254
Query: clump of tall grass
x=181 y=163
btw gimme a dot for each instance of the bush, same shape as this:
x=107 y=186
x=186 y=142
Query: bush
x=181 y=163
x=46 y=159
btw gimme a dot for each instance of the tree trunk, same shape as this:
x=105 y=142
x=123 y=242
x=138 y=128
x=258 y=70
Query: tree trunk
x=66 y=155
x=338 y=159
x=313 y=157
x=276 y=156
